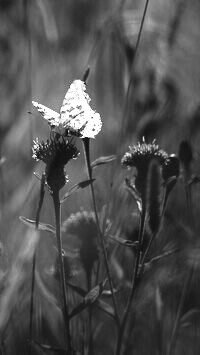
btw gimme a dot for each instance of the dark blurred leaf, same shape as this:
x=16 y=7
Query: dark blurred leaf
x=124 y=242
x=194 y=180
x=169 y=185
x=77 y=289
x=89 y=299
x=76 y=187
x=186 y=318
x=42 y=226
x=132 y=190
x=103 y=160
x=107 y=308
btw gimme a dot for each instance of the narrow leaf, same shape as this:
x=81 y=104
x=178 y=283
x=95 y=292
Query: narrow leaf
x=89 y=299
x=132 y=190
x=38 y=176
x=76 y=187
x=103 y=160
x=107 y=308
x=188 y=315
x=42 y=226
x=124 y=242
x=80 y=291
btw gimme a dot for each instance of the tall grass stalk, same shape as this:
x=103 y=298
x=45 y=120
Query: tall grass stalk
x=86 y=146
x=57 y=209
x=37 y=219
x=132 y=70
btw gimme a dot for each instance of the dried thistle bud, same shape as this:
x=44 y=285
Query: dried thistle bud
x=185 y=154
x=83 y=226
x=55 y=153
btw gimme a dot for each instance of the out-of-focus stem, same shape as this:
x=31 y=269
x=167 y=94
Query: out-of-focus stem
x=37 y=219
x=134 y=284
x=57 y=209
x=100 y=235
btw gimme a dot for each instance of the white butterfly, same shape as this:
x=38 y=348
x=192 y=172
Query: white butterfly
x=75 y=115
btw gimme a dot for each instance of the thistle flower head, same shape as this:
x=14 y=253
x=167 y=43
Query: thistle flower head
x=83 y=225
x=141 y=155
x=76 y=116
x=55 y=153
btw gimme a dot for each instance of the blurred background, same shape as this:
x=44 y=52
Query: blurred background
x=44 y=46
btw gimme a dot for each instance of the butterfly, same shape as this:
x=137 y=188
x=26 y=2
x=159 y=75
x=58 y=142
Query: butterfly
x=76 y=116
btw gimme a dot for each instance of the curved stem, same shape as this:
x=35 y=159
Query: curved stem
x=100 y=235
x=56 y=201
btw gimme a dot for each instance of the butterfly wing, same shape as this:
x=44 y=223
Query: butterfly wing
x=49 y=115
x=76 y=113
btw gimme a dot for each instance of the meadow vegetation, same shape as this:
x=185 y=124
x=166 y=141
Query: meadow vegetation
x=99 y=172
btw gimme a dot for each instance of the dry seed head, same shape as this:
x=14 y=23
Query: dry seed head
x=83 y=225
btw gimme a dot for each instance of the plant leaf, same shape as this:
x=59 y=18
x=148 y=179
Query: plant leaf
x=38 y=176
x=102 y=160
x=76 y=187
x=124 y=242
x=41 y=227
x=77 y=289
x=107 y=308
x=89 y=299
x=132 y=190
x=188 y=315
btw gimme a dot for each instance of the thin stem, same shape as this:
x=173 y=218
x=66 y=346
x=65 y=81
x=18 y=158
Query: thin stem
x=172 y=344
x=132 y=69
x=57 y=209
x=90 y=335
x=100 y=235
x=134 y=284
x=37 y=219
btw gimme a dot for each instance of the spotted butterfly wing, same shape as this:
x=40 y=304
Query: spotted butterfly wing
x=76 y=114
x=48 y=114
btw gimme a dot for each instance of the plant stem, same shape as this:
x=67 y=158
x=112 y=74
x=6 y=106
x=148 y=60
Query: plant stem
x=134 y=284
x=132 y=70
x=37 y=219
x=172 y=344
x=57 y=209
x=90 y=335
x=100 y=235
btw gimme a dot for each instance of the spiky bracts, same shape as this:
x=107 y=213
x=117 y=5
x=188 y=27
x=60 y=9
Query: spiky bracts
x=55 y=153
